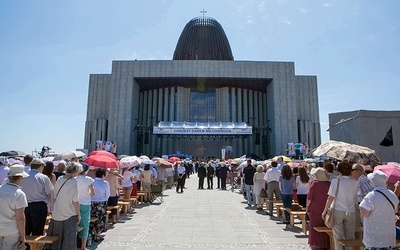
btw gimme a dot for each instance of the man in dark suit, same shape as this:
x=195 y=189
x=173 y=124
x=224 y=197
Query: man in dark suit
x=222 y=173
x=201 y=173
x=218 y=174
x=210 y=176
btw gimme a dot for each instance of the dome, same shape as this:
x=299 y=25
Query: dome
x=203 y=38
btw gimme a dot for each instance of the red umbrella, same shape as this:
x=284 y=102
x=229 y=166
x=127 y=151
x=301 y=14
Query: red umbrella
x=392 y=172
x=173 y=159
x=103 y=153
x=101 y=161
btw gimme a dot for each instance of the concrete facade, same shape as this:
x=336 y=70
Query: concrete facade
x=368 y=128
x=124 y=105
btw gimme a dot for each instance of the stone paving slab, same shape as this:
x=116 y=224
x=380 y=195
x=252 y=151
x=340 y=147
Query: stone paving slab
x=201 y=219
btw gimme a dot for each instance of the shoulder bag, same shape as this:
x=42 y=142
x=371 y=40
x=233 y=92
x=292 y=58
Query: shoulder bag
x=263 y=193
x=328 y=219
x=61 y=187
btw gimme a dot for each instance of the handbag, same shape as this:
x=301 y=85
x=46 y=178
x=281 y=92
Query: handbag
x=263 y=193
x=328 y=219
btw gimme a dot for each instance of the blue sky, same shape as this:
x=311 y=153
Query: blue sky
x=48 y=49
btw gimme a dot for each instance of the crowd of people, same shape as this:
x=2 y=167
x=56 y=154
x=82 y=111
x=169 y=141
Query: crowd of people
x=357 y=198
x=73 y=193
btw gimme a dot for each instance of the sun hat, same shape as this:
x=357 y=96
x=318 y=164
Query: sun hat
x=17 y=170
x=379 y=178
x=37 y=161
x=319 y=174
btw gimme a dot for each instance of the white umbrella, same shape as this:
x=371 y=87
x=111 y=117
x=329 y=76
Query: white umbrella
x=144 y=157
x=58 y=162
x=150 y=162
x=48 y=158
x=244 y=164
x=69 y=155
x=129 y=162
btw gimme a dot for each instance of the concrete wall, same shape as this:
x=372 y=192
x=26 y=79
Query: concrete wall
x=368 y=128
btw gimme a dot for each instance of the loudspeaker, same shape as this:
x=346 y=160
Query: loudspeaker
x=257 y=138
x=146 y=137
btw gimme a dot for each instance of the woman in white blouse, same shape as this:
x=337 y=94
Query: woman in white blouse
x=66 y=213
x=99 y=203
x=344 y=205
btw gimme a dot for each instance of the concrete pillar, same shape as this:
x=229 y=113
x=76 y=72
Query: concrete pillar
x=171 y=103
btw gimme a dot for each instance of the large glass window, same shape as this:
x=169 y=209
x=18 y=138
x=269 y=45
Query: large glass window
x=202 y=107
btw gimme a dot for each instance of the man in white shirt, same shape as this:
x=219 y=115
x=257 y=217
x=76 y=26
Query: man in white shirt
x=280 y=163
x=272 y=178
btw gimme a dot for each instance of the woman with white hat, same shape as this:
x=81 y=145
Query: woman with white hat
x=316 y=198
x=12 y=205
x=379 y=208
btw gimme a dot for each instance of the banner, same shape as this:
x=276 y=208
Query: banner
x=109 y=146
x=205 y=131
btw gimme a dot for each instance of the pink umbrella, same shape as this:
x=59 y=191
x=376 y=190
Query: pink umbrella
x=392 y=171
x=162 y=162
x=130 y=162
x=103 y=153
x=296 y=164
x=101 y=161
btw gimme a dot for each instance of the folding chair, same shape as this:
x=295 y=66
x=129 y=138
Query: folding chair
x=156 y=192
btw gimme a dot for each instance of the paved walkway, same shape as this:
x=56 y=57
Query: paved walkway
x=201 y=219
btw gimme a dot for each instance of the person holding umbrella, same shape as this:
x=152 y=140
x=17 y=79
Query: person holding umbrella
x=129 y=178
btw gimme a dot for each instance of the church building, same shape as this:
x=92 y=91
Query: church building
x=202 y=103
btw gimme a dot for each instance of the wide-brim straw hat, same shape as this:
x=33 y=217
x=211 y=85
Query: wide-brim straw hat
x=319 y=174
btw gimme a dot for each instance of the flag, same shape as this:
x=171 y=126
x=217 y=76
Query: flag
x=388 y=140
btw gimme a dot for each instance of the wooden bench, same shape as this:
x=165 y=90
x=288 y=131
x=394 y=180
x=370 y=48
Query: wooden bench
x=132 y=200
x=107 y=214
x=46 y=227
x=125 y=205
x=301 y=215
x=329 y=232
x=141 y=195
x=266 y=201
x=358 y=244
x=109 y=208
x=36 y=241
x=279 y=206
